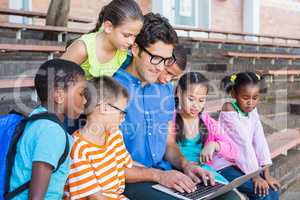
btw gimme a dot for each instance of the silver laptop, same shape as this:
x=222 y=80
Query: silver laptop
x=208 y=192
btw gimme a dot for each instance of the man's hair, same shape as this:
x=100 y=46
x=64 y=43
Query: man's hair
x=181 y=57
x=156 y=28
x=55 y=73
x=104 y=89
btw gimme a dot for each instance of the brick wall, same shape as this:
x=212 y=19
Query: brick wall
x=84 y=8
x=3 y=4
x=146 y=5
x=277 y=16
x=281 y=18
x=227 y=15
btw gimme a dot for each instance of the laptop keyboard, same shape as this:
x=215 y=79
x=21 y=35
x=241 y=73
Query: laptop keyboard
x=201 y=191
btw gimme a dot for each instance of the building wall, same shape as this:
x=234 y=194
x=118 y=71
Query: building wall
x=280 y=17
x=146 y=5
x=84 y=8
x=3 y=4
x=227 y=15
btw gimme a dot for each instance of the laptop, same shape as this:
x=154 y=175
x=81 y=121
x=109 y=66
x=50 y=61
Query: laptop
x=208 y=192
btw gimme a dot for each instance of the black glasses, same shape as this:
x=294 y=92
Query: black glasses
x=119 y=109
x=156 y=60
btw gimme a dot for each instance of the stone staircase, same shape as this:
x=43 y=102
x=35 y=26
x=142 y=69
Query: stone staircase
x=203 y=56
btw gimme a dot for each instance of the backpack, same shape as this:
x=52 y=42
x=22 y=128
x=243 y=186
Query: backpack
x=12 y=127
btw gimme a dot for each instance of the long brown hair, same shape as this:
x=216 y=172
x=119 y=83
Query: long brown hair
x=184 y=82
x=117 y=11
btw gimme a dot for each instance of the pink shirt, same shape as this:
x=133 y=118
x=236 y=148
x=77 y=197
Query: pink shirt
x=248 y=135
x=228 y=150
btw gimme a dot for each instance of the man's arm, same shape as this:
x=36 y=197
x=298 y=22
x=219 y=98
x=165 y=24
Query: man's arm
x=176 y=158
x=142 y=174
x=173 y=153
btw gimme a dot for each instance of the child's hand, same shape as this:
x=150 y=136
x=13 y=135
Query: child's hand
x=273 y=183
x=260 y=186
x=208 y=151
x=198 y=174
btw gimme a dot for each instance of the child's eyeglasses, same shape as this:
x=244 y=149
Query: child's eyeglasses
x=156 y=60
x=119 y=109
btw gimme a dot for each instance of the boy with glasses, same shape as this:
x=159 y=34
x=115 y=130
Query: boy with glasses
x=99 y=156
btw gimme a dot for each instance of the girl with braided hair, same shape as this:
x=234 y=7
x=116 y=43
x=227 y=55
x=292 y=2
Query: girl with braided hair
x=240 y=121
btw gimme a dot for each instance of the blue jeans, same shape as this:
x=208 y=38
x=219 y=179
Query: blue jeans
x=232 y=172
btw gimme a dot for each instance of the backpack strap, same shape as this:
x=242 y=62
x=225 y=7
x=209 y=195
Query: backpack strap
x=12 y=151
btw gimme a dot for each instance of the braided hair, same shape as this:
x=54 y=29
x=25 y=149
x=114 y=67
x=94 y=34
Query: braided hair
x=235 y=81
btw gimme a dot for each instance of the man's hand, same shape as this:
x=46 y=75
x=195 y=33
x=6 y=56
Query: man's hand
x=176 y=180
x=197 y=174
x=208 y=151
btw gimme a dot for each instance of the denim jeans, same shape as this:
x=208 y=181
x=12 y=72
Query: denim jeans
x=232 y=172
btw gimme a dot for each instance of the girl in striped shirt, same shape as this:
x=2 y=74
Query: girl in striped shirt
x=99 y=156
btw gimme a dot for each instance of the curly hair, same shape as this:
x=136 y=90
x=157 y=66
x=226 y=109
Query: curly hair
x=55 y=73
x=156 y=28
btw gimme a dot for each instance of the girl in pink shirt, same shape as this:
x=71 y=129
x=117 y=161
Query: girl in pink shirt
x=197 y=134
x=240 y=121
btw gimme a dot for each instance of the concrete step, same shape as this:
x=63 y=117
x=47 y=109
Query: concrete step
x=30 y=35
x=18 y=99
x=212 y=57
x=279 y=121
x=234 y=47
x=287 y=169
x=29 y=41
x=270 y=108
x=292 y=192
x=15 y=68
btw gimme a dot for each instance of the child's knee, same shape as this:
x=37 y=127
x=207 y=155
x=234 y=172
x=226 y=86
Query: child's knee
x=273 y=195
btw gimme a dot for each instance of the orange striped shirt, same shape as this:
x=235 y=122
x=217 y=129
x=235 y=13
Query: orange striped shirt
x=97 y=168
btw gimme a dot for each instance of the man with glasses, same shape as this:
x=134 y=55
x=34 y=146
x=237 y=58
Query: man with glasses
x=148 y=127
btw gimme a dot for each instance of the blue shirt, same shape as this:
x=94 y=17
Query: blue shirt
x=191 y=148
x=43 y=141
x=145 y=128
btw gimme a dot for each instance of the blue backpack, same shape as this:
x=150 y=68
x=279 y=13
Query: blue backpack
x=12 y=127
